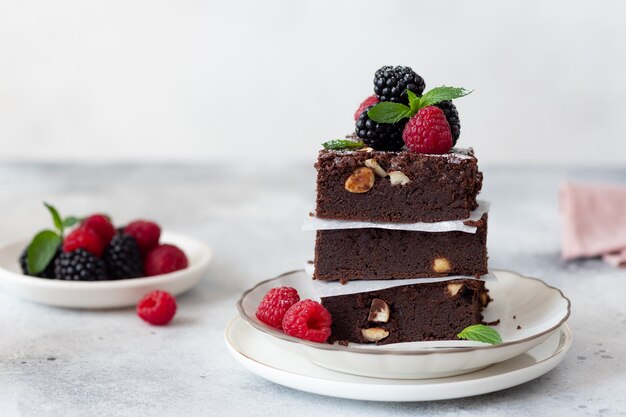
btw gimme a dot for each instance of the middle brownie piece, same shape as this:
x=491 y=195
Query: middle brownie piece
x=373 y=253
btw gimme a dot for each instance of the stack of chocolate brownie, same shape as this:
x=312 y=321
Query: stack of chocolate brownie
x=420 y=244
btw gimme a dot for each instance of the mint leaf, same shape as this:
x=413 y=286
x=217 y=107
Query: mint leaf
x=56 y=217
x=71 y=221
x=338 y=144
x=414 y=101
x=480 y=333
x=388 y=112
x=41 y=251
x=443 y=93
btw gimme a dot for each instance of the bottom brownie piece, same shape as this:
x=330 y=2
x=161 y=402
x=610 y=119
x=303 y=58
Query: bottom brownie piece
x=408 y=313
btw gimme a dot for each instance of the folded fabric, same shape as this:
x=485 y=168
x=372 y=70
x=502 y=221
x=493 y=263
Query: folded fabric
x=594 y=221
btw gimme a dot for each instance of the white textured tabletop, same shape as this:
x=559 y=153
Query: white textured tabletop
x=56 y=362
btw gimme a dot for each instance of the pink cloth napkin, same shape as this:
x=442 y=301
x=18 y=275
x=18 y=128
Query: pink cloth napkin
x=594 y=222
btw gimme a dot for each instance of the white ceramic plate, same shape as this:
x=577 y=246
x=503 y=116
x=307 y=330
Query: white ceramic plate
x=539 y=310
x=287 y=368
x=102 y=294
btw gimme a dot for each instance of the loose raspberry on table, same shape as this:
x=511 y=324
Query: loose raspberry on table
x=146 y=233
x=101 y=225
x=83 y=238
x=308 y=320
x=370 y=101
x=164 y=259
x=157 y=307
x=428 y=132
x=275 y=304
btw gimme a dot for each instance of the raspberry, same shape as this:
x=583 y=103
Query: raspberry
x=380 y=136
x=164 y=259
x=275 y=304
x=308 y=320
x=391 y=83
x=428 y=132
x=123 y=258
x=79 y=265
x=146 y=233
x=83 y=238
x=100 y=224
x=370 y=101
x=157 y=307
x=452 y=116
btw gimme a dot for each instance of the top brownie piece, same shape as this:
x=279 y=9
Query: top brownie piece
x=441 y=187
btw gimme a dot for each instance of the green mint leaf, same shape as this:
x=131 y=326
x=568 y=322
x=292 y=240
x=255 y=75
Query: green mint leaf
x=339 y=144
x=443 y=93
x=70 y=221
x=388 y=112
x=414 y=101
x=56 y=217
x=480 y=333
x=41 y=251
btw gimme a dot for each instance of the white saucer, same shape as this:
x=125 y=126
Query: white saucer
x=529 y=311
x=260 y=356
x=102 y=294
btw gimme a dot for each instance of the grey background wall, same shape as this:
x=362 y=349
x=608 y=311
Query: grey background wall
x=203 y=80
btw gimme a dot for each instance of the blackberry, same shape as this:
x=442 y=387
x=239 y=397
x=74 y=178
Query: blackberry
x=123 y=257
x=452 y=116
x=391 y=83
x=46 y=273
x=79 y=265
x=380 y=136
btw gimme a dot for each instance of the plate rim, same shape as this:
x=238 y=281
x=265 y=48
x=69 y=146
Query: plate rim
x=128 y=283
x=431 y=351
x=565 y=343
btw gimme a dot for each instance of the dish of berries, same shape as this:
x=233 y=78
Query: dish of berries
x=89 y=262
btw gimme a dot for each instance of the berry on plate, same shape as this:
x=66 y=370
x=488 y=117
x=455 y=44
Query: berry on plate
x=79 y=265
x=428 y=132
x=370 y=101
x=164 y=259
x=146 y=233
x=100 y=224
x=308 y=320
x=157 y=307
x=275 y=304
x=83 y=238
x=123 y=257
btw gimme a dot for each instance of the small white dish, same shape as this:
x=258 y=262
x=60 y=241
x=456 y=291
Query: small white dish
x=287 y=368
x=538 y=308
x=102 y=294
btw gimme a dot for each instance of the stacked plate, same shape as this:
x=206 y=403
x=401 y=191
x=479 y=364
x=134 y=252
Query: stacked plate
x=531 y=316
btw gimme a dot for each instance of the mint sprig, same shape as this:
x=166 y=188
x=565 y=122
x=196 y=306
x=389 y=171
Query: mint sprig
x=481 y=333
x=42 y=248
x=388 y=112
x=41 y=251
x=339 y=144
